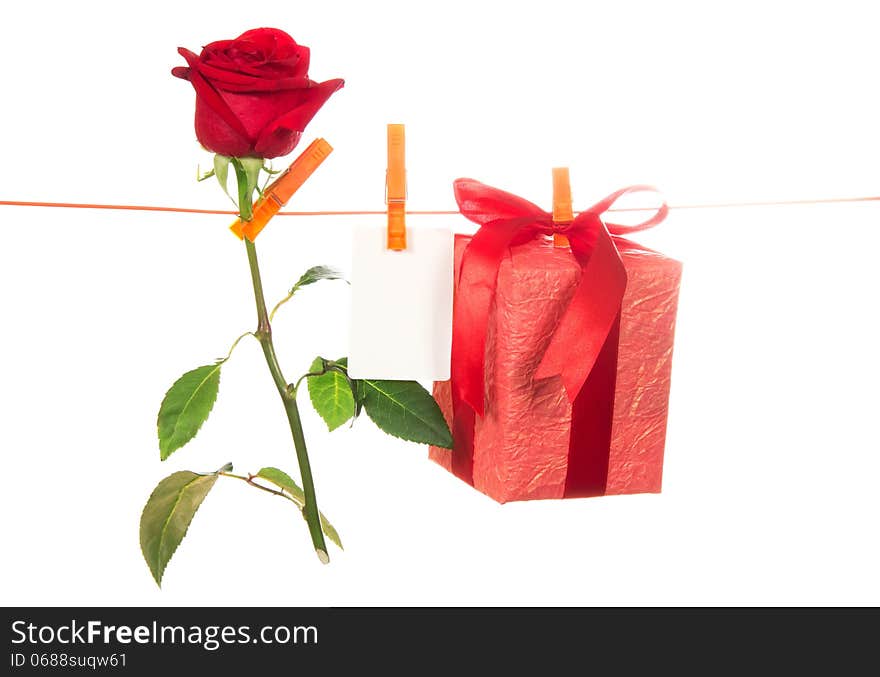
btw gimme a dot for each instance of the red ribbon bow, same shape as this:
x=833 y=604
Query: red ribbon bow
x=588 y=322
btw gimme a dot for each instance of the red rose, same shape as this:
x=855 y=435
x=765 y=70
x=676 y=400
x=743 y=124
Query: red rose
x=253 y=94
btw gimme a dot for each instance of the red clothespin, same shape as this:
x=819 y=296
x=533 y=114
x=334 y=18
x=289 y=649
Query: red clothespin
x=282 y=189
x=395 y=188
x=562 y=209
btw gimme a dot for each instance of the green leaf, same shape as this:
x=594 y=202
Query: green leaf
x=331 y=395
x=356 y=389
x=353 y=384
x=221 y=171
x=186 y=406
x=330 y=531
x=316 y=274
x=284 y=481
x=311 y=276
x=247 y=175
x=167 y=516
x=406 y=410
x=252 y=167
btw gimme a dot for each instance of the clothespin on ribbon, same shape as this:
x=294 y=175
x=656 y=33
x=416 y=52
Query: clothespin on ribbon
x=282 y=189
x=562 y=209
x=395 y=188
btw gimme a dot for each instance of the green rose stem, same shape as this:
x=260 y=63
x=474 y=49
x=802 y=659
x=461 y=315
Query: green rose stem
x=287 y=393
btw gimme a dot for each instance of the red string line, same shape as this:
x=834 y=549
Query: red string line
x=427 y=212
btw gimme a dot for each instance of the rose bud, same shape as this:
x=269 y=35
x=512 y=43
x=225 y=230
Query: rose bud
x=253 y=94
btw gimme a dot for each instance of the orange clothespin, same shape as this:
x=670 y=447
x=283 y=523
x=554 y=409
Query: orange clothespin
x=562 y=210
x=395 y=188
x=281 y=189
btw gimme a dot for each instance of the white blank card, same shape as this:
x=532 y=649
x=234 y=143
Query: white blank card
x=401 y=318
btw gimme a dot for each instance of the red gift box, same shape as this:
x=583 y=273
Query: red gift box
x=561 y=356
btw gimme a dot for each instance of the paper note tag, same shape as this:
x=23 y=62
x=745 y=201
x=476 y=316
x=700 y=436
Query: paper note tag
x=401 y=319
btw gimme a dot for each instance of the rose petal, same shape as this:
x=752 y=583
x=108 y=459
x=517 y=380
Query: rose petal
x=191 y=57
x=300 y=58
x=217 y=48
x=268 y=39
x=277 y=144
x=211 y=97
x=296 y=66
x=279 y=49
x=217 y=136
x=239 y=82
x=277 y=138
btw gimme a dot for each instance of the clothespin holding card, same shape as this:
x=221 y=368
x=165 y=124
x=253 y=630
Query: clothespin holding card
x=282 y=189
x=401 y=288
x=562 y=209
x=395 y=187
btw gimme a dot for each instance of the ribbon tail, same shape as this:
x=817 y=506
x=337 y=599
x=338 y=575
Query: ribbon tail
x=464 y=421
x=592 y=422
x=479 y=273
x=589 y=318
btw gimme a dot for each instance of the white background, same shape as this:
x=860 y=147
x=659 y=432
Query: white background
x=770 y=487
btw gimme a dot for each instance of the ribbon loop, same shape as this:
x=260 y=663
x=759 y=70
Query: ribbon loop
x=484 y=204
x=622 y=229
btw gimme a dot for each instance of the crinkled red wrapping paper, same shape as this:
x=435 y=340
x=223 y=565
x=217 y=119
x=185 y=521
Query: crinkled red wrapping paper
x=521 y=443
